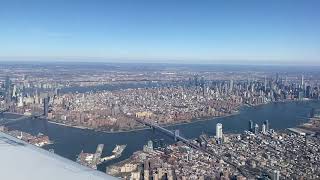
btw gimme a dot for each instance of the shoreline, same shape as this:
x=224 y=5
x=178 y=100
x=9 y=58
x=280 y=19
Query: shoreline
x=135 y=129
x=171 y=124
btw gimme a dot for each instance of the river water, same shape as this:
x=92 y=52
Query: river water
x=69 y=142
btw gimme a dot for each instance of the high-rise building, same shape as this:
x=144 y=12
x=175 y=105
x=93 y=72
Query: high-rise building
x=300 y=95
x=263 y=130
x=20 y=101
x=265 y=84
x=148 y=147
x=302 y=81
x=7 y=89
x=275 y=175
x=256 y=129
x=45 y=106
x=306 y=140
x=196 y=80
x=250 y=126
x=231 y=86
x=219 y=131
x=267 y=125
x=14 y=91
x=7 y=84
x=150 y=144
x=202 y=82
x=146 y=167
x=308 y=92
x=170 y=175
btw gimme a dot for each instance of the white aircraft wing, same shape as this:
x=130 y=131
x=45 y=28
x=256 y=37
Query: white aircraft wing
x=22 y=161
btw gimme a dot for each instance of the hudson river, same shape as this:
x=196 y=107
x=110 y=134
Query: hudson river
x=69 y=142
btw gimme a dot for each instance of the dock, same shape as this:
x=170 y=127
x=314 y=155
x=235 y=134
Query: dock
x=89 y=159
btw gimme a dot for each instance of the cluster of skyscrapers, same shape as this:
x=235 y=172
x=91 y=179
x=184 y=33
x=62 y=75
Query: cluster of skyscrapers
x=254 y=128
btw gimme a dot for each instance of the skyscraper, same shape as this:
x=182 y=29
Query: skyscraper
x=45 y=106
x=250 y=126
x=275 y=175
x=150 y=144
x=265 y=83
x=263 y=130
x=20 y=101
x=219 y=131
x=7 y=89
x=231 y=86
x=148 y=147
x=7 y=84
x=267 y=125
x=308 y=92
x=202 y=82
x=286 y=81
x=256 y=129
x=196 y=80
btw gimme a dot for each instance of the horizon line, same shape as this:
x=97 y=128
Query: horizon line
x=187 y=61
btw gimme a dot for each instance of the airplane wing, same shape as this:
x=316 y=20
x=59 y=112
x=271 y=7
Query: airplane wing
x=22 y=161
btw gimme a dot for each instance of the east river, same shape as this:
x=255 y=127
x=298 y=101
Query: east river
x=69 y=142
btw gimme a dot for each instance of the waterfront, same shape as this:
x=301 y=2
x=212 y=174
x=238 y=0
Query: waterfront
x=69 y=141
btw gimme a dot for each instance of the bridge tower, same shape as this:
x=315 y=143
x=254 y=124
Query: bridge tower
x=176 y=134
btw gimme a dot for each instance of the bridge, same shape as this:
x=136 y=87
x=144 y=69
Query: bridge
x=175 y=134
x=22 y=117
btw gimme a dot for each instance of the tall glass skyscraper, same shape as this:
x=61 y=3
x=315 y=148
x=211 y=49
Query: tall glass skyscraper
x=219 y=131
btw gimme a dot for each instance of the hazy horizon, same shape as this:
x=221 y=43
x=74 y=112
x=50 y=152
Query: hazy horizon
x=169 y=62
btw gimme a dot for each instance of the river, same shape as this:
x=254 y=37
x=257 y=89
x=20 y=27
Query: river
x=69 y=142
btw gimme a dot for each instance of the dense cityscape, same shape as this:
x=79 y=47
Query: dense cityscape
x=166 y=97
x=258 y=153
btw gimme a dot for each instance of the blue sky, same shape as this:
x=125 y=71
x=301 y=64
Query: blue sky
x=161 y=30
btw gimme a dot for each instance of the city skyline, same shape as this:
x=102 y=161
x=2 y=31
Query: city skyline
x=246 y=32
x=140 y=121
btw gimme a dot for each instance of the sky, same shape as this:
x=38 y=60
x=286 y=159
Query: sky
x=187 y=31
